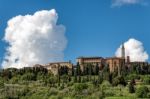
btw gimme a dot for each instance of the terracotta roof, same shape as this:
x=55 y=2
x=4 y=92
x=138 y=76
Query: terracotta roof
x=114 y=58
x=139 y=62
x=89 y=57
x=59 y=62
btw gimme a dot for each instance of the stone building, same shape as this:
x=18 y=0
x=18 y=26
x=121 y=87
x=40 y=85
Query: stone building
x=90 y=60
x=53 y=67
x=115 y=63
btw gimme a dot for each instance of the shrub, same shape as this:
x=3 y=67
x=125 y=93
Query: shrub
x=131 y=88
x=62 y=86
x=119 y=80
x=70 y=84
x=100 y=78
x=146 y=80
x=40 y=76
x=50 y=81
x=109 y=93
x=83 y=80
x=14 y=80
x=1 y=83
x=80 y=86
x=142 y=92
x=53 y=91
x=148 y=95
x=24 y=91
x=106 y=84
x=133 y=76
x=28 y=77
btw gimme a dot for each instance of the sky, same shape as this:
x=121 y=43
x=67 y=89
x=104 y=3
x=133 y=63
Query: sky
x=87 y=28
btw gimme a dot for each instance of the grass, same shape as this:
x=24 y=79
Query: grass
x=121 y=97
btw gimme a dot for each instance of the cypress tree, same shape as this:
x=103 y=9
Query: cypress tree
x=100 y=77
x=78 y=69
x=58 y=75
x=131 y=86
x=96 y=69
x=72 y=71
x=75 y=75
x=90 y=71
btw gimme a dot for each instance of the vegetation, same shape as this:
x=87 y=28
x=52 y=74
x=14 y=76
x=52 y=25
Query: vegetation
x=92 y=83
x=143 y=92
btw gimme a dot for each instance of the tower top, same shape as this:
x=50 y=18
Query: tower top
x=123 y=51
x=122 y=45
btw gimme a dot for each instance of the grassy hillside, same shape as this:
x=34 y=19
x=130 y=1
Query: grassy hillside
x=38 y=83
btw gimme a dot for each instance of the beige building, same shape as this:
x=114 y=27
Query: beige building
x=115 y=63
x=90 y=60
x=53 y=67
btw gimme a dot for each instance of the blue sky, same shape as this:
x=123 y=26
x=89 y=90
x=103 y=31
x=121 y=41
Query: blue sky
x=93 y=27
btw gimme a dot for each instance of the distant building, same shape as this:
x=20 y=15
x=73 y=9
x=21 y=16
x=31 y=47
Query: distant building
x=53 y=67
x=90 y=60
x=115 y=63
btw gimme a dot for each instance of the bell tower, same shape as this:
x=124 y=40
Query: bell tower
x=123 y=51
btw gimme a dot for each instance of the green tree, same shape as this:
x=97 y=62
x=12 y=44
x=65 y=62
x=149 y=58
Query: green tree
x=100 y=77
x=90 y=71
x=79 y=79
x=6 y=74
x=146 y=80
x=1 y=83
x=64 y=78
x=78 y=69
x=28 y=76
x=96 y=69
x=142 y=92
x=75 y=75
x=80 y=86
x=119 y=80
x=58 y=76
x=72 y=70
x=78 y=72
x=131 y=86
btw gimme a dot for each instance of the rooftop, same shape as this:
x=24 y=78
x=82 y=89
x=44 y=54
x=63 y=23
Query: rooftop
x=89 y=57
x=114 y=57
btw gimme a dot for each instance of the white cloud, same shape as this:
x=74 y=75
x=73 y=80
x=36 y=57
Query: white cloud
x=127 y=2
x=34 y=39
x=134 y=49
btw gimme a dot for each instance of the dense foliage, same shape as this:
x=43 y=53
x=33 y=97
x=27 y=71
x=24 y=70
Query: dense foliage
x=93 y=82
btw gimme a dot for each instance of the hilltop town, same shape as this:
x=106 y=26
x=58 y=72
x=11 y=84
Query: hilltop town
x=89 y=78
x=114 y=63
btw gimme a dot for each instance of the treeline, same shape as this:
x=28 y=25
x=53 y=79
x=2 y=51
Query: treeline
x=75 y=77
x=27 y=73
x=89 y=70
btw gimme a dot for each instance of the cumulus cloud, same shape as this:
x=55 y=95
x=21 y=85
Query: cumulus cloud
x=34 y=39
x=134 y=49
x=127 y=2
